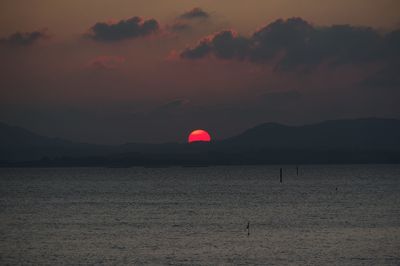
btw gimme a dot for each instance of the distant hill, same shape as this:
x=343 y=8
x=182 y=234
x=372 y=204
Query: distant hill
x=338 y=141
x=18 y=144
x=357 y=134
x=17 y=137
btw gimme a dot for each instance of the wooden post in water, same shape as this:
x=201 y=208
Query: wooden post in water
x=248 y=228
x=280 y=175
x=297 y=170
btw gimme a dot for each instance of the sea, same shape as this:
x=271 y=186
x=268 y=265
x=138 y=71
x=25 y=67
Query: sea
x=220 y=215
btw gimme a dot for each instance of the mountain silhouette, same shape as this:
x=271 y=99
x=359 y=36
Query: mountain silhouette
x=370 y=140
x=366 y=134
x=17 y=143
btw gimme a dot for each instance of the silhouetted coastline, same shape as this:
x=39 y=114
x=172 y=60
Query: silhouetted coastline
x=331 y=142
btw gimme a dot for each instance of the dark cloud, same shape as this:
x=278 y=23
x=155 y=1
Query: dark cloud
x=125 y=29
x=385 y=78
x=389 y=75
x=189 y=20
x=23 y=39
x=294 y=43
x=195 y=13
x=201 y=50
x=392 y=46
x=225 y=44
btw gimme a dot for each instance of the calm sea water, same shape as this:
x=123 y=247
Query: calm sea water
x=198 y=216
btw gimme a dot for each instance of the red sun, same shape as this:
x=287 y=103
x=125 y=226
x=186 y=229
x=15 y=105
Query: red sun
x=199 y=135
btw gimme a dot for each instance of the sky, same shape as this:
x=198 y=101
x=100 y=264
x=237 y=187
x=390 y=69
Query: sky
x=112 y=72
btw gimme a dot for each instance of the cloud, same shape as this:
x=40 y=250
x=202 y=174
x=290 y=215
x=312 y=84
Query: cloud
x=124 y=29
x=295 y=43
x=225 y=44
x=201 y=50
x=194 y=13
x=187 y=20
x=23 y=39
x=392 y=46
x=106 y=62
x=387 y=77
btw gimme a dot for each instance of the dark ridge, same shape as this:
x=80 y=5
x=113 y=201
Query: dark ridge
x=370 y=140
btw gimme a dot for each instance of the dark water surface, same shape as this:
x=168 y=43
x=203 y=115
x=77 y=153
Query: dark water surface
x=198 y=216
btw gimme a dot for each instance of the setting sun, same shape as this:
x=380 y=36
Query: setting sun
x=199 y=135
